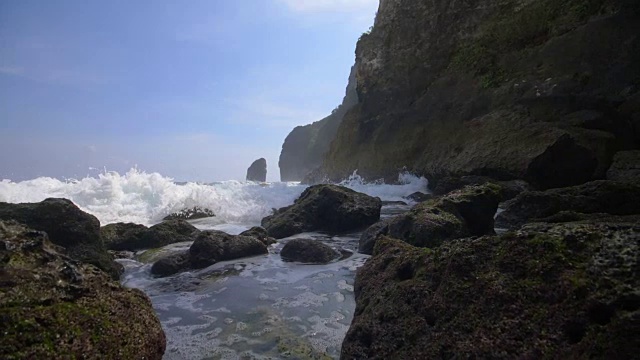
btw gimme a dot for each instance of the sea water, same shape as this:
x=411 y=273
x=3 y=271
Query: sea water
x=253 y=308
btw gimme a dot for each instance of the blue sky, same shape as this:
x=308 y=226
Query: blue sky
x=195 y=90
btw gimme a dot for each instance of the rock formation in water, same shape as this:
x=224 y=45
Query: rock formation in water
x=305 y=146
x=257 y=171
x=546 y=91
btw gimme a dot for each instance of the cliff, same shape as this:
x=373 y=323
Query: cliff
x=542 y=90
x=305 y=147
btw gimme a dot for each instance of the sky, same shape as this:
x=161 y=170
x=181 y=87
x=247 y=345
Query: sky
x=194 y=90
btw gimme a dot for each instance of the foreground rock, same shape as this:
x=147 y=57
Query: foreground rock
x=54 y=307
x=257 y=171
x=329 y=208
x=132 y=237
x=466 y=212
x=259 y=233
x=308 y=251
x=67 y=226
x=209 y=248
x=625 y=167
x=601 y=196
x=193 y=213
x=548 y=291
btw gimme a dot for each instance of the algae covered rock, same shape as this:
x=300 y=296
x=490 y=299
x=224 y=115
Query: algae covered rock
x=308 y=251
x=465 y=212
x=329 y=208
x=600 y=196
x=67 y=226
x=132 y=237
x=259 y=233
x=546 y=291
x=55 y=307
x=193 y=213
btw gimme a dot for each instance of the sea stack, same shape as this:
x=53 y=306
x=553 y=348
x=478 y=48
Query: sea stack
x=257 y=171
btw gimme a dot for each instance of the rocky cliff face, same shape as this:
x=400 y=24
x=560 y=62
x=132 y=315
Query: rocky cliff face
x=542 y=90
x=305 y=147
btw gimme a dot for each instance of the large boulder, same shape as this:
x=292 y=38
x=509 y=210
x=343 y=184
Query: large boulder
x=67 y=226
x=328 y=208
x=257 y=171
x=625 y=167
x=600 y=196
x=465 y=212
x=209 y=247
x=548 y=291
x=259 y=233
x=54 y=307
x=308 y=251
x=132 y=237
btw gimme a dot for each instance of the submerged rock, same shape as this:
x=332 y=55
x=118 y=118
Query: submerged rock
x=329 y=208
x=600 y=196
x=132 y=237
x=464 y=212
x=55 y=307
x=257 y=171
x=419 y=197
x=193 y=213
x=209 y=247
x=625 y=167
x=67 y=226
x=546 y=291
x=308 y=251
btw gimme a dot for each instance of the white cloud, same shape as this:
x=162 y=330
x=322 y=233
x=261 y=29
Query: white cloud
x=318 y=6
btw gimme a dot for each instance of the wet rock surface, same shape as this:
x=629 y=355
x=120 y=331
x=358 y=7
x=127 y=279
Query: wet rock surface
x=53 y=306
x=132 y=237
x=330 y=208
x=261 y=234
x=308 y=251
x=67 y=226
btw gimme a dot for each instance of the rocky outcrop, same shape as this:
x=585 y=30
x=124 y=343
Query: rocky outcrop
x=209 y=247
x=508 y=189
x=308 y=251
x=625 y=167
x=193 y=213
x=305 y=147
x=55 y=307
x=257 y=171
x=547 y=291
x=67 y=226
x=507 y=89
x=328 y=208
x=601 y=196
x=466 y=212
x=132 y=237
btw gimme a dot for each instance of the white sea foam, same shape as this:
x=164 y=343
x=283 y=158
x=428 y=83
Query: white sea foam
x=145 y=198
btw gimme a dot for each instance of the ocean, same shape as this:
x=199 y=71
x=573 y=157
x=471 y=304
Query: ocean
x=254 y=308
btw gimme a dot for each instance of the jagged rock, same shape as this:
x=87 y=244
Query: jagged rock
x=259 y=233
x=308 y=251
x=67 y=226
x=625 y=167
x=55 y=307
x=461 y=213
x=419 y=197
x=257 y=171
x=209 y=247
x=547 y=291
x=508 y=189
x=600 y=196
x=305 y=146
x=329 y=208
x=193 y=213
x=132 y=237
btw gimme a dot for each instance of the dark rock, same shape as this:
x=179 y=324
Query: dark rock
x=600 y=196
x=55 y=307
x=329 y=208
x=308 y=251
x=419 y=197
x=305 y=146
x=209 y=247
x=508 y=189
x=546 y=291
x=122 y=254
x=389 y=202
x=625 y=167
x=193 y=213
x=465 y=212
x=257 y=171
x=132 y=237
x=67 y=226
x=259 y=233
